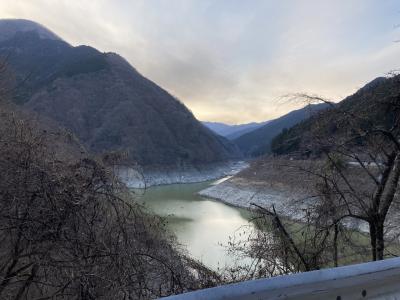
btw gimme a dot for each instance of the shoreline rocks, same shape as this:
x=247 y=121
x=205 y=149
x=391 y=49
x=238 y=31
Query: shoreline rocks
x=136 y=179
x=239 y=192
x=243 y=195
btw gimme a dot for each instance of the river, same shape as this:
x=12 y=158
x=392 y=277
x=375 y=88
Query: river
x=201 y=225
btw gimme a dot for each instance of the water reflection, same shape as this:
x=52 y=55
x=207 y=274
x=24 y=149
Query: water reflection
x=199 y=224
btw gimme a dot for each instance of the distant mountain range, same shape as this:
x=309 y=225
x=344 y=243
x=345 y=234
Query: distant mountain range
x=104 y=101
x=258 y=142
x=232 y=131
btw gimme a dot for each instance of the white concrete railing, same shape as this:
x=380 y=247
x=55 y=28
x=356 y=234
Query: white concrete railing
x=373 y=280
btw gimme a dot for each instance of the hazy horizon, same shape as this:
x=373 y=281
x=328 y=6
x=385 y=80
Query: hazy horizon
x=231 y=61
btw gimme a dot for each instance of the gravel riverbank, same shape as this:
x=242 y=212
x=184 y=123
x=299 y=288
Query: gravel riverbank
x=267 y=185
x=239 y=192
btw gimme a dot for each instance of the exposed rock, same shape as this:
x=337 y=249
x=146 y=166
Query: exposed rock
x=137 y=179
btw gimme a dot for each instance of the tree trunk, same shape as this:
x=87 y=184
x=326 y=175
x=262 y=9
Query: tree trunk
x=380 y=241
x=372 y=236
x=335 y=245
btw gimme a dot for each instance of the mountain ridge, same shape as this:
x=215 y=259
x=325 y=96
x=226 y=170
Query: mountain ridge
x=232 y=131
x=258 y=141
x=364 y=101
x=108 y=104
x=9 y=27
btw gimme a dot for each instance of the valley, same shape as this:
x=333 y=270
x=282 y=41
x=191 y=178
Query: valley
x=112 y=188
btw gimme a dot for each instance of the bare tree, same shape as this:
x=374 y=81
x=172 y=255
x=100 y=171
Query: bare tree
x=280 y=245
x=70 y=230
x=349 y=159
x=358 y=142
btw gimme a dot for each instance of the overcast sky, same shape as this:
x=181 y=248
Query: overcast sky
x=230 y=60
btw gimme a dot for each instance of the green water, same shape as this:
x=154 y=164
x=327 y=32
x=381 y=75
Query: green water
x=200 y=224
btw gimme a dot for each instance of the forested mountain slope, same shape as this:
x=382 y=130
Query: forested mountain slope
x=104 y=101
x=365 y=105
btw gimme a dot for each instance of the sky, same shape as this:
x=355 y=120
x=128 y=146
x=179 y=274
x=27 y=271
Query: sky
x=234 y=60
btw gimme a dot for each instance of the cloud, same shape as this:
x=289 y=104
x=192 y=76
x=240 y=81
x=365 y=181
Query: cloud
x=231 y=60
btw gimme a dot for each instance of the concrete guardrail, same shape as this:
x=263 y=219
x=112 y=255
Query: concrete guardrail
x=373 y=280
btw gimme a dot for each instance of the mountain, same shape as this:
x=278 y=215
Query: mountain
x=232 y=131
x=105 y=102
x=234 y=135
x=258 y=141
x=370 y=86
x=39 y=132
x=9 y=27
x=366 y=102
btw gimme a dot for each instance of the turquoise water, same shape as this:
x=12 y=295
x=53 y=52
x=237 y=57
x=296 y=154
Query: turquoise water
x=200 y=225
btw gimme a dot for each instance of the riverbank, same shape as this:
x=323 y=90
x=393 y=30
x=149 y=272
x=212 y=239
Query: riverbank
x=264 y=184
x=143 y=179
x=239 y=192
x=272 y=183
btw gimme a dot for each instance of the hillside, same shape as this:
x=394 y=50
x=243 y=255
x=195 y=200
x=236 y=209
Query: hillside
x=258 y=142
x=58 y=200
x=58 y=143
x=105 y=102
x=365 y=102
x=232 y=132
